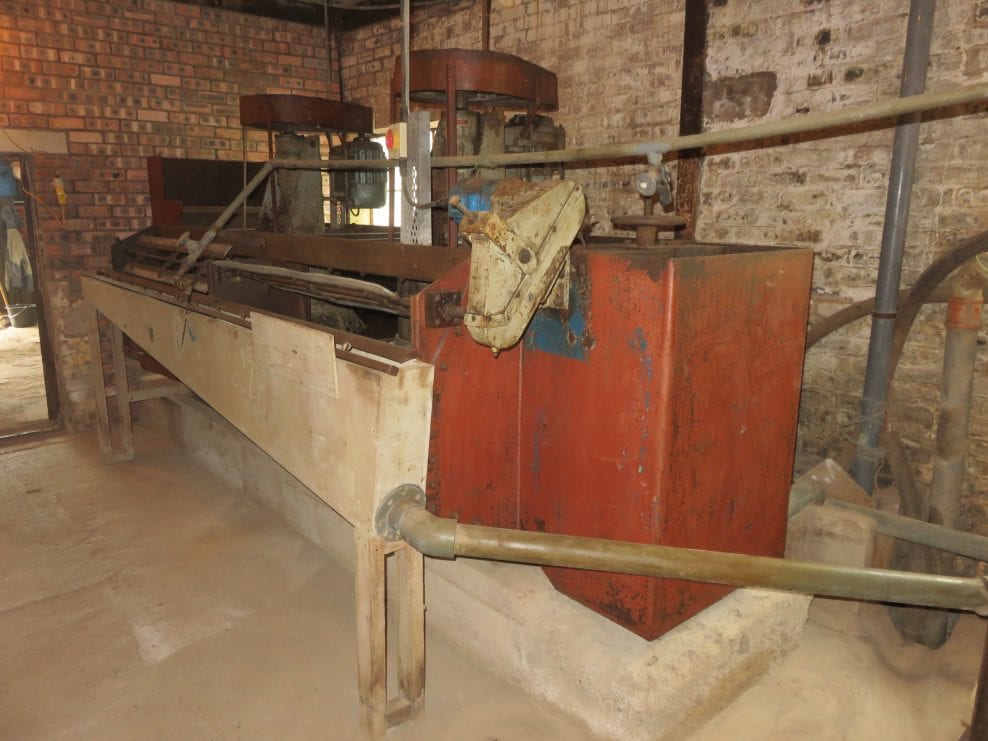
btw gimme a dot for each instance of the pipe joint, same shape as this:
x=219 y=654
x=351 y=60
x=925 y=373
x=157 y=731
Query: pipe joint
x=402 y=516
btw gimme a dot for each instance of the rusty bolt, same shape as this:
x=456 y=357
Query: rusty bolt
x=524 y=255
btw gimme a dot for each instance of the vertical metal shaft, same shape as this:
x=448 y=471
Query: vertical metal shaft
x=406 y=62
x=979 y=722
x=914 y=66
x=329 y=49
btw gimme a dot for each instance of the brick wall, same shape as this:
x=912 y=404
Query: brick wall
x=126 y=79
x=619 y=71
x=829 y=193
x=618 y=64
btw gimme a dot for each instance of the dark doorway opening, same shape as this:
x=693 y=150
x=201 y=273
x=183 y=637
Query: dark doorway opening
x=28 y=392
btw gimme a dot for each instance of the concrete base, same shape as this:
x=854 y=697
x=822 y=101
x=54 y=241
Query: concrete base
x=510 y=619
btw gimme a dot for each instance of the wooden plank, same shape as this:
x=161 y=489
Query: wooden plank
x=98 y=383
x=159 y=391
x=122 y=385
x=351 y=449
x=411 y=628
x=372 y=675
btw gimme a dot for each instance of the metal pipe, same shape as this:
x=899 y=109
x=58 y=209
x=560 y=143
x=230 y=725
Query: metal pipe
x=406 y=518
x=406 y=50
x=329 y=50
x=887 y=108
x=959 y=354
x=923 y=533
x=485 y=25
x=875 y=396
x=196 y=248
x=828 y=119
x=978 y=729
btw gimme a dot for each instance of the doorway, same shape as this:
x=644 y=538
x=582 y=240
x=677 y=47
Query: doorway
x=28 y=396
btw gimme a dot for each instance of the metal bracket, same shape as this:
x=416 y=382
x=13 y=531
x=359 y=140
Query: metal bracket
x=437 y=305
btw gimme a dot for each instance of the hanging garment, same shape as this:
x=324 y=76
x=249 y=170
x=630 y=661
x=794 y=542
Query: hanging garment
x=17 y=268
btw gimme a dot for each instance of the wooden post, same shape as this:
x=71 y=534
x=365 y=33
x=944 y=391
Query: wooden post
x=99 y=385
x=122 y=386
x=377 y=711
x=122 y=391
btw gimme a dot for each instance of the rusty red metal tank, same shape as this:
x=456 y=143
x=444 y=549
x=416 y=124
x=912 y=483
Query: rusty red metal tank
x=660 y=408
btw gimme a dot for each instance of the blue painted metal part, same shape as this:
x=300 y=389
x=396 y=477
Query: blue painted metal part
x=475 y=194
x=562 y=333
x=8 y=185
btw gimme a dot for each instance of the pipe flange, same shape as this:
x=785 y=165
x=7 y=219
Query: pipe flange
x=388 y=513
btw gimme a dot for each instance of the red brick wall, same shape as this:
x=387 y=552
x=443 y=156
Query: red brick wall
x=126 y=79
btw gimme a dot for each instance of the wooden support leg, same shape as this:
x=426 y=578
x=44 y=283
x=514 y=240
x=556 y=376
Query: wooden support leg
x=122 y=390
x=377 y=711
x=372 y=660
x=122 y=386
x=99 y=386
x=411 y=635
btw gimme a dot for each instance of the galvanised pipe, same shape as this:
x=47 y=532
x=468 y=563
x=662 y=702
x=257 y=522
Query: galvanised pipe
x=915 y=61
x=813 y=122
x=887 y=108
x=959 y=354
x=922 y=533
x=403 y=516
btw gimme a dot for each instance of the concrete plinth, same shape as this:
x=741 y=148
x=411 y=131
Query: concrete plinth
x=510 y=619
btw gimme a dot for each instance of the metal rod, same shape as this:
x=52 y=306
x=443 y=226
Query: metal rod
x=887 y=108
x=197 y=248
x=915 y=61
x=855 y=114
x=406 y=50
x=923 y=533
x=978 y=729
x=329 y=50
x=959 y=355
x=485 y=25
x=404 y=516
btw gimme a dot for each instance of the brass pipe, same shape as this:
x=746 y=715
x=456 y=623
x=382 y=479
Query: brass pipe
x=404 y=517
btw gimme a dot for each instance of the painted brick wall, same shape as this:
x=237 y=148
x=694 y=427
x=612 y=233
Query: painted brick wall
x=126 y=79
x=829 y=193
x=618 y=64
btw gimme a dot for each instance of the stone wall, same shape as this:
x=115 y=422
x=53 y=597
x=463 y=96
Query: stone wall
x=619 y=68
x=126 y=79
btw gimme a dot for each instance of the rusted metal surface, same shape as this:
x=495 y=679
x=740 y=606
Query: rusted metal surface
x=671 y=383
x=279 y=112
x=473 y=446
x=647 y=226
x=443 y=309
x=370 y=256
x=484 y=78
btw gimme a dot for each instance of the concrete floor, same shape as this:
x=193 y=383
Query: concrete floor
x=22 y=382
x=148 y=599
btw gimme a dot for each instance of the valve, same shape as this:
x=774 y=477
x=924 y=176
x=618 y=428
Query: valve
x=656 y=180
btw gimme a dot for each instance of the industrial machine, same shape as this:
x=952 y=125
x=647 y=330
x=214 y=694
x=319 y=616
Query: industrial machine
x=610 y=410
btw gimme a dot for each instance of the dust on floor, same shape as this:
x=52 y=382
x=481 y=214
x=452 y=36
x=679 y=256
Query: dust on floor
x=22 y=380
x=149 y=600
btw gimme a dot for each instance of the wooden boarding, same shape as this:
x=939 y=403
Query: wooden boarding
x=349 y=432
